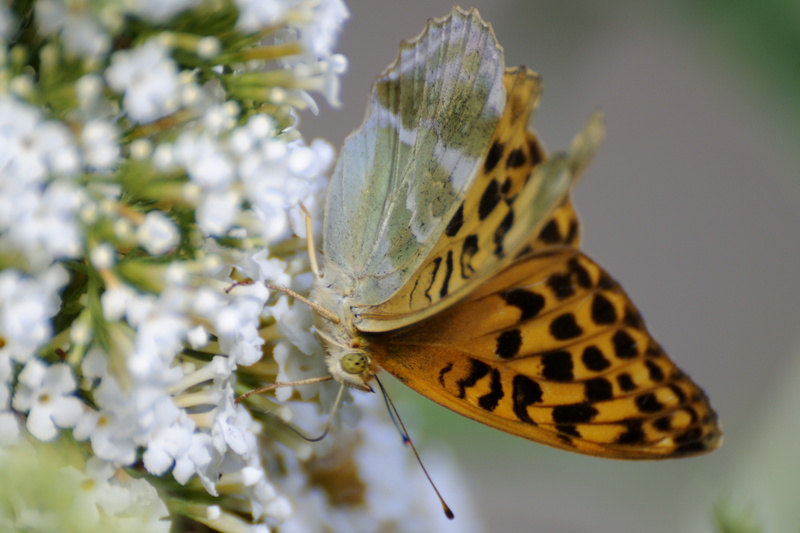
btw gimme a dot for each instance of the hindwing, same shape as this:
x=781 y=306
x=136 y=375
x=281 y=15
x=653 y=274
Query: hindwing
x=553 y=350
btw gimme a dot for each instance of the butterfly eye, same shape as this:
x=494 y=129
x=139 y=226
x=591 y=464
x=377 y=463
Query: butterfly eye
x=354 y=363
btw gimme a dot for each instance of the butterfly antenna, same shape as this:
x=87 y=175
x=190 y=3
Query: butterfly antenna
x=312 y=253
x=312 y=261
x=392 y=417
x=315 y=306
x=398 y=422
x=285 y=290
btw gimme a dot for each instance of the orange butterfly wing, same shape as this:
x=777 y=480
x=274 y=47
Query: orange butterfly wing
x=553 y=350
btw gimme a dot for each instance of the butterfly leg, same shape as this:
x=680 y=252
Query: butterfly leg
x=273 y=386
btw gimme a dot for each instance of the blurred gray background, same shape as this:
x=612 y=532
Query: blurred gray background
x=692 y=204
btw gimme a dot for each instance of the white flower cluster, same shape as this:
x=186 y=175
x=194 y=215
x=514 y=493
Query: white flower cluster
x=121 y=220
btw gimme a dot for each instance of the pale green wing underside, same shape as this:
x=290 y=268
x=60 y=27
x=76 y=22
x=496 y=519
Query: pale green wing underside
x=402 y=175
x=421 y=160
x=455 y=267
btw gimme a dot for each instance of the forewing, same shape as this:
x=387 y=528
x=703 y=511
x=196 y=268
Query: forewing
x=553 y=350
x=518 y=202
x=402 y=175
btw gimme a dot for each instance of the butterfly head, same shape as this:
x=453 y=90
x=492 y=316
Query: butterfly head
x=352 y=367
x=347 y=358
x=347 y=351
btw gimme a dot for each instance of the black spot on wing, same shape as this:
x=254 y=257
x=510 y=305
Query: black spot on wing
x=550 y=233
x=493 y=157
x=582 y=275
x=525 y=251
x=598 y=390
x=565 y=327
x=656 y=374
x=508 y=344
x=413 y=292
x=648 y=403
x=654 y=349
x=477 y=370
x=568 y=429
x=444 y=371
x=557 y=366
x=606 y=282
x=633 y=433
x=468 y=251
x=561 y=285
x=576 y=413
x=516 y=158
x=506 y=186
x=678 y=392
x=572 y=233
x=490 y=400
x=594 y=359
x=691 y=435
x=633 y=318
x=489 y=199
x=691 y=448
x=448 y=272
x=500 y=233
x=624 y=345
x=565 y=439
x=436 y=264
x=525 y=392
x=455 y=223
x=528 y=302
x=663 y=424
x=603 y=311
x=625 y=382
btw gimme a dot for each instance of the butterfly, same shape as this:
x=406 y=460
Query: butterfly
x=451 y=260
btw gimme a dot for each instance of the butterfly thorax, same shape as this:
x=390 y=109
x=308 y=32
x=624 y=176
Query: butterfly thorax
x=347 y=350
